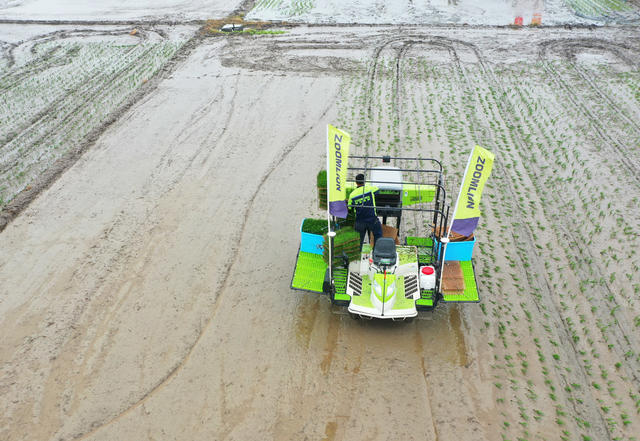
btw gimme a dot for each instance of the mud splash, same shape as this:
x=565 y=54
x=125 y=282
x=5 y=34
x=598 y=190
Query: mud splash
x=306 y=314
x=441 y=337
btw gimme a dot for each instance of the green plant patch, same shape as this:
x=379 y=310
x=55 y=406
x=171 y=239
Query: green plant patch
x=321 y=184
x=314 y=226
x=406 y=255
x=346 y=241
x=321 y=179
x=419 y=241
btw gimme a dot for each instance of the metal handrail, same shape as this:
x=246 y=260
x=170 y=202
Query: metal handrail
x=397 y=158
x=438 y=186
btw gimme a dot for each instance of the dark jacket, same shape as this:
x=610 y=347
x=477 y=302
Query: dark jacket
x=365 y=200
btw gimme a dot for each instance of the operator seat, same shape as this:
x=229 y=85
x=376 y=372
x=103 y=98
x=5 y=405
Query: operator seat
x=384 y=252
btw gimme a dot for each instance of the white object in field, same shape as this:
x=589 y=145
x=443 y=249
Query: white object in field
x=386 y=178
x=230 y=27
x=427 y=277
x=358 y=269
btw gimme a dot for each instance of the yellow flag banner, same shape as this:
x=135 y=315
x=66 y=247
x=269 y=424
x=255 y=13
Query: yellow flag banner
x=337 y=160
x=467 y=211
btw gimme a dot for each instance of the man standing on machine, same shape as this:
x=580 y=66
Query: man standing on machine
x=363 y=198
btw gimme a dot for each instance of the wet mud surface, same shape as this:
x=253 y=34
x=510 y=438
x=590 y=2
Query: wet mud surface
x=145 y=290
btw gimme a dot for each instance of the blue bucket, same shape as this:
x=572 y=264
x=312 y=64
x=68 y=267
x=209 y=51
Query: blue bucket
x=311 y=243
x=460 y=251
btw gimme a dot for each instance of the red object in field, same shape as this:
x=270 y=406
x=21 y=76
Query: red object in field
x=536 y=20
x=427 y=270
x=518 y=21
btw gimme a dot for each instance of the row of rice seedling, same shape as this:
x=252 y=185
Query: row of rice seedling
x=521 y=354
x=603 y=9
x=622 y=87
x=51 y=110
x=441 y=118
x=287 y=7
x=544 y=319
x=533 y=383
x=510 y=330
x=571 y=187
x=268 y=4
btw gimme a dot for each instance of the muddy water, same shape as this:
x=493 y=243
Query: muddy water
x=413 y=362
x=442 y=329
x=171 y=316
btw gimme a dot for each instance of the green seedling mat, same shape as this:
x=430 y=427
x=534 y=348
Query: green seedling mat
x=309 y=272
x=426 y=298
x=347 y=241
x=419 y=241
x=425 y=250
x=470 y=293
x=340 y=283
x=309 y=275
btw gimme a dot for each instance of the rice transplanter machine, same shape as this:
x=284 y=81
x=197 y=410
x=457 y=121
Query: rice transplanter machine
x=417 y=264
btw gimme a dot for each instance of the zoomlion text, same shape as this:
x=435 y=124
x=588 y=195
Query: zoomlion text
x=475 y=180
x=338 y=153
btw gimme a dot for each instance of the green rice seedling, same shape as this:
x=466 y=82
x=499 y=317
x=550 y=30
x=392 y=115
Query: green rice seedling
x=346 y=241
x=538 y=414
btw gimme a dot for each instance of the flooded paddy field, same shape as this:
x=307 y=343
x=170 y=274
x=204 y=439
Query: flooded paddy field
x=145 y=284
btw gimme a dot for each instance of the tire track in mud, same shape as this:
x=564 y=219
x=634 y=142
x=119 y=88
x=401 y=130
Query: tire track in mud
x=450 y=45
x=397 y=77
x=33 y=67
x=244 y=8
x=39 y=116
x=166 y=157
x=397 y=109
x=226 y=272
x=407 y=43
x=581 y=106
x=277 y=57
x=371 y=88
x=124 y=226
x=594 y=87
x=44 y=62
x=419 y=348
x=571 y=47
